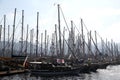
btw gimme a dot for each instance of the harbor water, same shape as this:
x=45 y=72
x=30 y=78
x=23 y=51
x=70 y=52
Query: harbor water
x=110 y=73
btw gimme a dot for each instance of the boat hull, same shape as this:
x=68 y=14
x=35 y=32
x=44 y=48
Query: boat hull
x=54 y=73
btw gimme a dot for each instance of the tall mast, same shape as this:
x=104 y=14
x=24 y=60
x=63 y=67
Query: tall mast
x=116 y=49
x=37 y=34
x=4 y=35
x=96 y=44
x=59 y=28
x=0 y=35
x=112 y=49
x=22 y=32
x=41 y=44
x=106 y=48
x=31 y=41
x=109 y=50
x=0 y=32
x=72 y=38
x=56 y=39
x=13 y=32
x=63 y=41
x=26 y=40
x=8 y=36
x=102 y=45
x=89 y=43
x=45 y=42
x=83 y=41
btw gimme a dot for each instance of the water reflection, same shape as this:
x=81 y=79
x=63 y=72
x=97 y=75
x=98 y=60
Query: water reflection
x=111 y=73
x=32 y=77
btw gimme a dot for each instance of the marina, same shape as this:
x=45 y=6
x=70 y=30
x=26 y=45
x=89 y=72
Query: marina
x=55 y=55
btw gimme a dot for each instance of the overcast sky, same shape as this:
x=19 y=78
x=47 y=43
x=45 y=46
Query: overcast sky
x=100 y=15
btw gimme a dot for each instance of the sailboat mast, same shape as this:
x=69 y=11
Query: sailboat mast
x=72 y=38
x=26 y=40
x=106 y=44
x=59 y=26
x=13 y=32
x=31 y=42
x=8 y=36
x=45 y=42
x=89 y=43
x=0 y=36
x=96 y=43
x=56 y=39
x=41 y=44
x=63 y=41
x=37 y=34
x=22 y=32
x=83 y=41
x=4 y=35
x=102 y=45
x=111 y=48
x=0 y=32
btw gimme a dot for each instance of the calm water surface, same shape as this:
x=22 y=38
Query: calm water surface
x=110 y=73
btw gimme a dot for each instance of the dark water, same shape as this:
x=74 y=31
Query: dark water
x=110 y=73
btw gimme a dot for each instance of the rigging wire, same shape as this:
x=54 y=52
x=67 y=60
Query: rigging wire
x=64 y=19
x=69 y=48
x=104 y=43
x=92 y=38
x=69 y=31
x=84 y=40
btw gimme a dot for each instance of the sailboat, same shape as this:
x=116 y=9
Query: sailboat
x=58 y=68
x=49 y=69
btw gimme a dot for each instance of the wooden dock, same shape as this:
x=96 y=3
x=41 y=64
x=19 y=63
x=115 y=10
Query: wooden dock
x=7 y=73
